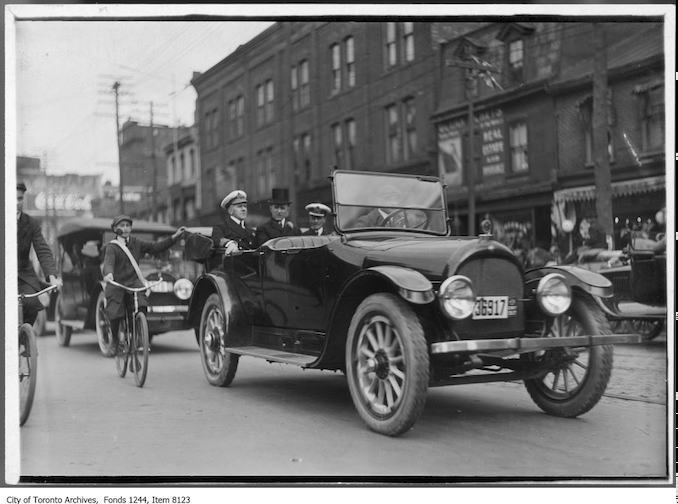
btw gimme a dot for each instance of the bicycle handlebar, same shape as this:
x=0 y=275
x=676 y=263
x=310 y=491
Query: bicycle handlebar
x=36 y=294
x=133 y=289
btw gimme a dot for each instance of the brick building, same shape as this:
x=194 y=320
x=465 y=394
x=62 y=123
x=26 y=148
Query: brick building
x=302 y=98
x=183 y=179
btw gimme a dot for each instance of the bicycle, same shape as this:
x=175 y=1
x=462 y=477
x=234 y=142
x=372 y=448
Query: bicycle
x=28 y=358
x=135 y=346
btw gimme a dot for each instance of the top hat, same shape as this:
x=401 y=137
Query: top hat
x=120 y=218
x=234 y=198
x=280 y=196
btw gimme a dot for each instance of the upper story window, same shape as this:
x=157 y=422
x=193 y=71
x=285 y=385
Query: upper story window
x=408 y=41
x=212 y=128
x=265 y=102
x=240 y=115
x=585 y=107
x=294 y=86
x=516 y=56
x=652 y=116
x=350 y=144
x=401 y=123
x=344 y=138
x=349 y=51
x=410 y=112
x=392 y=134
x=518 y=147
x=335 y=51
x=302 y=159
x=170 y=169
x=299 y=85
x=399 y=43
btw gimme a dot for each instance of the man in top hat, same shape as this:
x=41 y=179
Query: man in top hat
x=317 y=216
x=117 y=266
x=279 y=225
x=29 y=234
x=233 y=234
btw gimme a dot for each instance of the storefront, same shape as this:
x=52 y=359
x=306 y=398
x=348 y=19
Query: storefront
x=635 y=204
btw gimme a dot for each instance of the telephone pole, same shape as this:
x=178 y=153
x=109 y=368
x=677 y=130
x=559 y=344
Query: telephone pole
x=600 y=125
x=116 y=87
x=155 y=170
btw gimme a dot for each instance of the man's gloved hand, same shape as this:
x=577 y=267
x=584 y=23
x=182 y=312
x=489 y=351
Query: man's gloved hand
x=108 y=277
x=231 y=248
x=179 y=233
x=55 y=280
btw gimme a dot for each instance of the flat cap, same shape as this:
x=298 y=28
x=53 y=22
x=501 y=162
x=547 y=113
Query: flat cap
x=234 y=198
x=317 y=209
x=120 y=218
x=20 y=186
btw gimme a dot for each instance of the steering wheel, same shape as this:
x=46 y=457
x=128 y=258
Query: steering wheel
x=419 y=219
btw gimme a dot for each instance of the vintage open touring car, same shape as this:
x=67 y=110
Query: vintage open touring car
x=80 y=303
x=399 y=305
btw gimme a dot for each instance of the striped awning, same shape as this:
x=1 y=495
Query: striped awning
x=619 y=189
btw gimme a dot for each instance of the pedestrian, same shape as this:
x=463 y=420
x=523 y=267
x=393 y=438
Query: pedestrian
x=121 y=264
x=317 y=219
x=29 y=234
x=279 y=224
x=233 y=233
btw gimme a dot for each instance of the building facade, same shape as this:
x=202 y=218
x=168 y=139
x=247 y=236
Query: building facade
x=182 y=164
x=142 y=158
x=304 y=98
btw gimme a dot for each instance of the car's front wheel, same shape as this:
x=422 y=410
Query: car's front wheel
x=387 y=364
x=63 y=332
x=577 y=377
x=218 y=364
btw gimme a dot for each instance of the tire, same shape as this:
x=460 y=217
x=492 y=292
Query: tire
x=107 y=342
x=122 y=353
x=28 y=370
x=39 y=326
x=387 y=364
x=218 y=365
x=140 y=349
x=63 y=332
x=589 y=367
x=648 y=329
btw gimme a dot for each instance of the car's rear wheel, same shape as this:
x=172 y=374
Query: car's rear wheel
x=63 y=332
x=387 y=364
x=577 y=377
x=218 y=364
x=108 y=343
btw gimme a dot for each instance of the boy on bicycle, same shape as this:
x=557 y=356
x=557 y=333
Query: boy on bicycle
x=118 y=266
x=29 y=234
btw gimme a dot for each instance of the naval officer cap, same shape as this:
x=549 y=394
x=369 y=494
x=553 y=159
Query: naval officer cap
x=234 y=198
x=317 y=209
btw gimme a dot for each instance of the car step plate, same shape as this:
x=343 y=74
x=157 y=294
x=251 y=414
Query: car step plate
x=273 y=355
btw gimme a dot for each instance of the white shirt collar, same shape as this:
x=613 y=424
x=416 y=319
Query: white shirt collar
x=236 y=220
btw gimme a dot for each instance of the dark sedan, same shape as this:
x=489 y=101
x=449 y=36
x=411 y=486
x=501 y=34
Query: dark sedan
x=399 y=305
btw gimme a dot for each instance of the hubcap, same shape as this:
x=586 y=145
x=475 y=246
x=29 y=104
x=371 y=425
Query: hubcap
x=213 y=336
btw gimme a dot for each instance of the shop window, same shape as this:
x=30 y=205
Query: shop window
x=518 y=147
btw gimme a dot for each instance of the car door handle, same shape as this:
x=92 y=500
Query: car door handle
x=291 y=251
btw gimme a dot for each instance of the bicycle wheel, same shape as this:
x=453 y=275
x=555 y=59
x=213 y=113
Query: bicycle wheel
x=122 y=349
x=140 y=348
x=28 y=370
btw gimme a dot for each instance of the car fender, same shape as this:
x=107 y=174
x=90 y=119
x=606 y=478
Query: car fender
x=412 y=285
x=592 y=283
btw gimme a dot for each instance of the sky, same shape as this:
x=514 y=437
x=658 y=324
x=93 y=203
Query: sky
x=65 y=70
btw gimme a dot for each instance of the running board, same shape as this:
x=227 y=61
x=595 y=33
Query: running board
x=272 y=355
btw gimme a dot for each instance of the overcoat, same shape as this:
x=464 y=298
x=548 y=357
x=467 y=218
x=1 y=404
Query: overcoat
x=29 y=233
x=117 y=263
x=273 y=229
x=229 y=229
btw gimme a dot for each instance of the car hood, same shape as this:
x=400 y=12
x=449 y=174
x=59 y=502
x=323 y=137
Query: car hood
x=434 y=257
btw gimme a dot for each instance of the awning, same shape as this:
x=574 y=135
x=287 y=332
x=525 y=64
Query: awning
x=619 y=189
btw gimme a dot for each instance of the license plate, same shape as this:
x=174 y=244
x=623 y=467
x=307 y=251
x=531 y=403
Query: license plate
x=491 y=307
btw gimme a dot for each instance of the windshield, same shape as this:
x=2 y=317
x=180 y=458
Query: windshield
x=375 y=200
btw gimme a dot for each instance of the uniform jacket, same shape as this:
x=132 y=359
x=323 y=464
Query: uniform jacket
x=323 y=232
x=230 y=230
x=117 y=263
x=29 y=233
x=273 y=229
x=371 y=219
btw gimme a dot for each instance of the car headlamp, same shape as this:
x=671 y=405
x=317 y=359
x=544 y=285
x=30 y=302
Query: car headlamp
x=183 y=288
x=456 y=297
x=553 y=294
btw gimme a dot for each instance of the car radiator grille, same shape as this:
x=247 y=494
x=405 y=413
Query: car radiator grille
x=493 y=277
